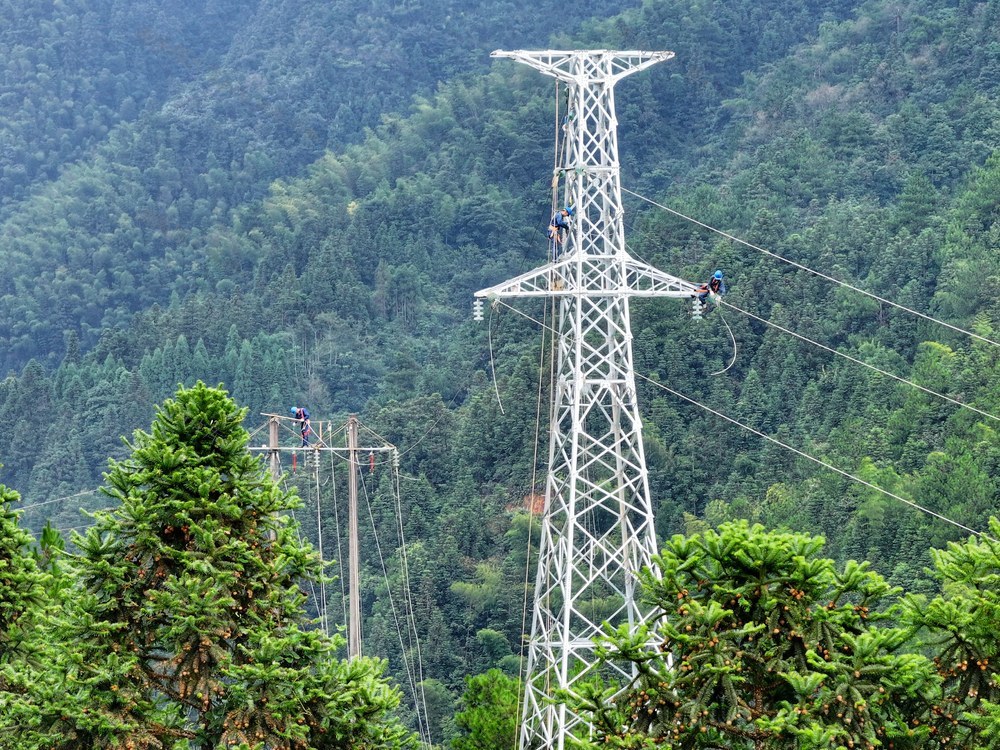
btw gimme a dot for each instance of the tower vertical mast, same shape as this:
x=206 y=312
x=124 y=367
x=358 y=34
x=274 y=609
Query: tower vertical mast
x=597 y=527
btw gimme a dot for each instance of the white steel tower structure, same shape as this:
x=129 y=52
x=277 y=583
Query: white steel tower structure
x=597 y=528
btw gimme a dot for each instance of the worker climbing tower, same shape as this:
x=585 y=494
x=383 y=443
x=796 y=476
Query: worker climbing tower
x=597 y=527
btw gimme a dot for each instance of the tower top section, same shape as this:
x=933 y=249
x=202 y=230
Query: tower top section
x=592 y=259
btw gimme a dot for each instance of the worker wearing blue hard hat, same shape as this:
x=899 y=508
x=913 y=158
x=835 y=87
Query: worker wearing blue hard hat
x=714 y=285
x=559 y=229
x=559 y=225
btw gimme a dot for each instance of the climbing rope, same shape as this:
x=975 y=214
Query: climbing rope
x=555 y=158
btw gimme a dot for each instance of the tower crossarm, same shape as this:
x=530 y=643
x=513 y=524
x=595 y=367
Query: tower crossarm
x=593 y=277
x=581 y=66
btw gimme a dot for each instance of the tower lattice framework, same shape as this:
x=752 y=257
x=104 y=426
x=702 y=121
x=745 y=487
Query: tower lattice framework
x=597 y=527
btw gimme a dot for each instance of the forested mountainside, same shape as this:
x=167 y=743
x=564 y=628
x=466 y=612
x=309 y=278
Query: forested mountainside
x=282 y=217
x=73 y=71
x=280 y=83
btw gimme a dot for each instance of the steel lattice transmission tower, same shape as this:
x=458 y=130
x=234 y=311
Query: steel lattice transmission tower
x=597 y=528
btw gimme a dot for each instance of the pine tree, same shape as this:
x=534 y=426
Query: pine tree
x=25 y=591
x=770 y=647
x=21 y=586
x=488 y=714
x=960 y=628
x=187 y=628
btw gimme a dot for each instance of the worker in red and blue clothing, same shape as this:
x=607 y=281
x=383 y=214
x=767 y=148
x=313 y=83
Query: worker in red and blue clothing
x=714 y=285
x=301 y=414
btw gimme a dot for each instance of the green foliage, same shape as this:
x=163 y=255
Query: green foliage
x=959 y=627
x=21 y=586
x=74 y=71
x=762 y=644
x=223 y=195
x=488 y=716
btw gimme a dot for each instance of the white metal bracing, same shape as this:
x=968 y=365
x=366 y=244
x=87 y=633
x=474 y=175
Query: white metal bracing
x=597 y=527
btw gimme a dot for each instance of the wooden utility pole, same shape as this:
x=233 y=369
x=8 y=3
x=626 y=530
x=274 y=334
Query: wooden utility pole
x=273 y=449
x=354 y=630
x=273 y=425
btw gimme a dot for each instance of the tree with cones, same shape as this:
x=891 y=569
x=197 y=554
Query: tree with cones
x=185 y=627
x=763 y=645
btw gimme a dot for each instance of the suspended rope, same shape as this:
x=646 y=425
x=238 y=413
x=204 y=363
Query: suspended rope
x=558 y=155
x=819 y=461
x=336 y=433
x=436 y=422
x=298 y=536
x=821 y=275
x=848 y=357
x=340 y=548
x=412 y=635
x=408 y=599
x=857 y=361
x=825 y=348
x=493 y=367
x=324 y=612
x=555 y=156
x=74 y=528
x=29 y=506
x=731 y=336
x=522 y=665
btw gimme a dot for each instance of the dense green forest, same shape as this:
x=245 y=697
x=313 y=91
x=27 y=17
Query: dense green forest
x=297 y=199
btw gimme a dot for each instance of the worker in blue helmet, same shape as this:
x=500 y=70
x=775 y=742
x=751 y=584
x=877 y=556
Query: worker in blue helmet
x=714 y=286
x=301 y=414
x=559 y=226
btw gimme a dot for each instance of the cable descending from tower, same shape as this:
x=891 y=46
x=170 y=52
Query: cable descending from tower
x=792 y=449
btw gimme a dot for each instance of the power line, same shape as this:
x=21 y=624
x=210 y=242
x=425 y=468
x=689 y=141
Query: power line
x=848 y=357
x=819 y=461
x=787 y=447
x=59 y=499
x=835 y=280
x=62 y=532
x=418 y=669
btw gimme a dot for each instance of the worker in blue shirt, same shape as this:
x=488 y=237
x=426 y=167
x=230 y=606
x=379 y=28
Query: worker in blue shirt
x=301 y=414
x=559 y=226
x=714 y=285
